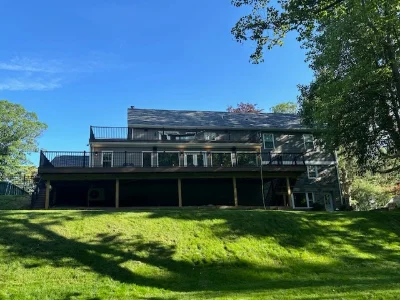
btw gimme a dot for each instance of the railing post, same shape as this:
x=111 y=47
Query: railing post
x=84 y=158
x=125 y=159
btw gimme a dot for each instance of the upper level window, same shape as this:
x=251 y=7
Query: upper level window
x=308 y=141
x=312 y=172
x=268 y=141
x=210 y=136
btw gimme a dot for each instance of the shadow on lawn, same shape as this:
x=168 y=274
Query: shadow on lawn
x=107 y=254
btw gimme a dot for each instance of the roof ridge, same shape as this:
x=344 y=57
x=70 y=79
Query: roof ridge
x=211 y=111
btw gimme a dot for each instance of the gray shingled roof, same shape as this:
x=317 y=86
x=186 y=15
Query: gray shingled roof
x=217 y=119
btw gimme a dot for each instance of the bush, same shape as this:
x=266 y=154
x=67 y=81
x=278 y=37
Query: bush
x=368 y=194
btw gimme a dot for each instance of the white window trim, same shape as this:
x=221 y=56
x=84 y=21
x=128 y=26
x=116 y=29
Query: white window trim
x=152 y=158
x=195 y=162
x=273 y=141
x=304 y=141
x=179 y=156
x=309 y=201
x=221 y=152
x=102 y=157
x=316 y=172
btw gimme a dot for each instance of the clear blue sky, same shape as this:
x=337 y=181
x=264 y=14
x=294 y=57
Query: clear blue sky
x=82 y=63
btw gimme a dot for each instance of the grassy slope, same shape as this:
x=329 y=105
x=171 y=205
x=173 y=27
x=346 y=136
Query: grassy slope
x=15 y=202
x=199 y=254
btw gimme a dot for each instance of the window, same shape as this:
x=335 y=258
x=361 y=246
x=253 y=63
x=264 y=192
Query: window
x=221 y=159
x=303 y=199
x=194 y=159
x=210 y=136
x=309 y=141
x=312 y=172
x=168 y=159
x=147 y=159
x=107 y=159
x=268 y=141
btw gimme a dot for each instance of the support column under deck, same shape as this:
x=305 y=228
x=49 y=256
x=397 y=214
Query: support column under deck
x=116 y=193
x=180 y=192
x=47 y=198
x=235 y=195
x=289 y=192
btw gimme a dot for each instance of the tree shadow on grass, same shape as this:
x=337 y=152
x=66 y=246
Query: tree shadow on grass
x=108 y=254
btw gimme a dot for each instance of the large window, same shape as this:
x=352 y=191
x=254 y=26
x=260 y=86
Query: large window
x=268 y=141
x=312 y=172
x=193 y=159
x=168 y=159
x=247 y=159
x=308 y=141
x=221 y=159
x=303 y=199
x=107 y=159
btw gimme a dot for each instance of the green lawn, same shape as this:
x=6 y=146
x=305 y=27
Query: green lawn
x=199 y=254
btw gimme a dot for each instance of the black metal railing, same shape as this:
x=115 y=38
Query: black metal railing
x=150 y=159
x=172 y=135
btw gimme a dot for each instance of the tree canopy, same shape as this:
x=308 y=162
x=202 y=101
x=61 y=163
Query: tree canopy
x=244 y=108
x=19 y=130
x=353 y=48
x=284 y=108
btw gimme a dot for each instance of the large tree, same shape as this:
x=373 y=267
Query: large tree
x=353 y=48
x=19 y=130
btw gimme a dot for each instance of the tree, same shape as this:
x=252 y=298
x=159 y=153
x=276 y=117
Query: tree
x=245 y=108
x=353 y=48
x=19 y=131
x=284 y=108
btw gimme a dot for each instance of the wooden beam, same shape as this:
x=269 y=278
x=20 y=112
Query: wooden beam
x=289 y=191
x=117 y=193
x=180 y=192
x=47 y=197
x=235 y=196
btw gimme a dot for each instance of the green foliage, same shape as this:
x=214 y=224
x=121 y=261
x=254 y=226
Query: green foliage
x=353 y=47
x=284 y=108
x=369 y=192
x=19 y=131
x=244 y=108
x=199 y=254
x=14 y=202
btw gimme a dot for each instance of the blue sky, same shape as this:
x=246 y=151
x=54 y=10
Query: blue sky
x=82 y=63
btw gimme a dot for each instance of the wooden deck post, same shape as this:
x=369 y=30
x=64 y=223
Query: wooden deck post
x=47 y=198
x=289 y=192
x=116 y=193
x=235 y=196
x=180 y=192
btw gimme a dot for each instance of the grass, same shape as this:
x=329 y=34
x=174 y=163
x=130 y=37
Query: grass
x=15 y=202
x=199 y=254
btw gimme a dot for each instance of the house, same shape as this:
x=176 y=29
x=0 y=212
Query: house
x=194 y=158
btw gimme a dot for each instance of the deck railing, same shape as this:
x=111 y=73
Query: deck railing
x=172 y=135
x=149 y=159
